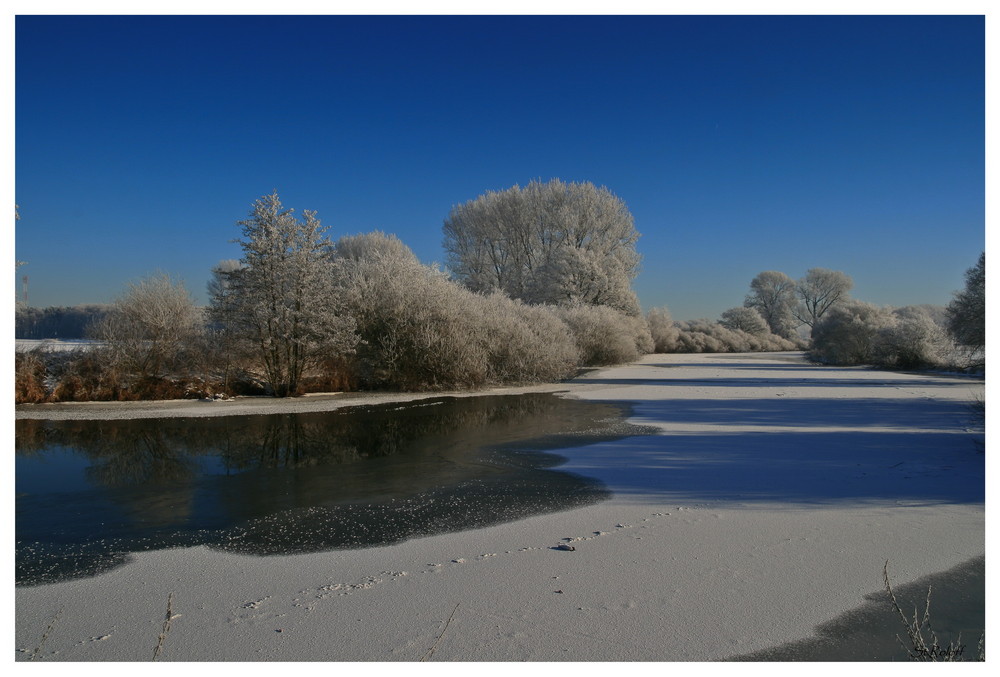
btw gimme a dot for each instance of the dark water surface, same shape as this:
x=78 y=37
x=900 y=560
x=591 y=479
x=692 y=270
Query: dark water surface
x=88 y=493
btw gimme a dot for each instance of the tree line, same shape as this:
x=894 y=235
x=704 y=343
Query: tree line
x=816 y=313
x=57 y=322
x=538 y=285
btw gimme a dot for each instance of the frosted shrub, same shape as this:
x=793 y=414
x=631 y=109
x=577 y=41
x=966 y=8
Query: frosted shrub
x=861 y=333
x=524 y=342
x=640 y=330
x=852 y=333
x=150 y=327
x=423 y=331
x=411 y=321
x=705 y=336
x=690 y=340
x=662 y=330
x=602 y=335
x=914 y=340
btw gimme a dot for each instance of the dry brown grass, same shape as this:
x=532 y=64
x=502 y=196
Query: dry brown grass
x=29 y=377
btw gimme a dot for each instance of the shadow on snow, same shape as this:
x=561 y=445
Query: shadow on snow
x=866 y=450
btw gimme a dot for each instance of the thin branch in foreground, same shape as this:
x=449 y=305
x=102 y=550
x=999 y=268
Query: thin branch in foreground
x=431 y=650
x=166 y=626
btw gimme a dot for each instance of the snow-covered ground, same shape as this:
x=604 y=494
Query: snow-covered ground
x=767 y=506
x=54 y=345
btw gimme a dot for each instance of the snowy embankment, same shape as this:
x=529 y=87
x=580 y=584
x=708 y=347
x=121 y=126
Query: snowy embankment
x=767 y=506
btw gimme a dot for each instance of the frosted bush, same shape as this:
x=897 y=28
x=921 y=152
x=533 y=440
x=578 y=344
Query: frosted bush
x=424 y=331
x=411 y=323
x=705 y=336
x=603 y=335
x=662 y=330
x=525 y=342
x=914 y=340
x=150 y=327
x=861 y=333
x=851 y=333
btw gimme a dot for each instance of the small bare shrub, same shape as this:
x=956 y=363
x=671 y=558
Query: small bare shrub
x=918 y=647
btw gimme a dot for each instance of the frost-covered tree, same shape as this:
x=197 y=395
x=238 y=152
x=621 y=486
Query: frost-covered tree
x=967 y=311
x=218 y=283
x=282 y=300
x=745 y=319
x=772 y=294
x=819 y=291
x=373 y=246
x=149 y=326
x=555 y=242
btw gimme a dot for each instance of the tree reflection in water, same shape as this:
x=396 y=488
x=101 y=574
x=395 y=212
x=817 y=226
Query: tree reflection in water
x=90 y=492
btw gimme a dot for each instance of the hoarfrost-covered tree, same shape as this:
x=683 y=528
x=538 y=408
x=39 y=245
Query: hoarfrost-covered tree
x=772 y=294
x=149 y=326
x=967 y=311
x=555 y=242
x=368 y=247
x=819 y=291
x=223 y=347
x=745 y=319
x=282 y=300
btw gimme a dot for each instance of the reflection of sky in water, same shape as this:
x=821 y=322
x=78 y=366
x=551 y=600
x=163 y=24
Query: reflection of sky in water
x=89 y=492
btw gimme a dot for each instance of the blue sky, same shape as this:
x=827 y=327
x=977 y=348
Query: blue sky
x=740 y=144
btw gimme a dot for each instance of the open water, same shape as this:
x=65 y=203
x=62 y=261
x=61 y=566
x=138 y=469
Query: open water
x=89 y=493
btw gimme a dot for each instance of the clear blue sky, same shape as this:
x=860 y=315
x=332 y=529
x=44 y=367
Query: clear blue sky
x=740 y=144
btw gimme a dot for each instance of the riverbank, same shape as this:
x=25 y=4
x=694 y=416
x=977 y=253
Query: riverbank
x=766 y=507
x=241 y=406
